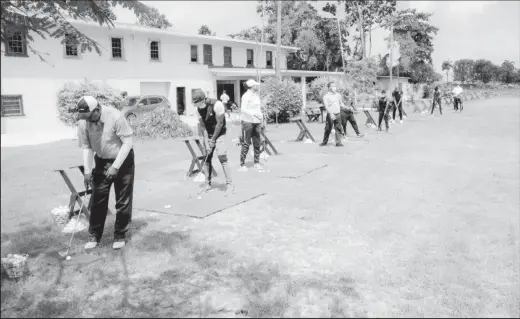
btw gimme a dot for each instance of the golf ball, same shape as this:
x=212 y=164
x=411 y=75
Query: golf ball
x=68 y=258
x=199 y=197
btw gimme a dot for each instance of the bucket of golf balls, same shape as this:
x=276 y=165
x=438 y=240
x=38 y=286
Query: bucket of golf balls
x=61 y=216
x=15 y=265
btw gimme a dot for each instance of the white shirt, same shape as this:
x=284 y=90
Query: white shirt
x=224 y=98
x=457 y=90
x=250 y=109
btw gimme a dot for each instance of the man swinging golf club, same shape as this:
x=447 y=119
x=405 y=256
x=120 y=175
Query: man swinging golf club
x=398 y=105
x=333 y=102
x=212 y=119
x=105 y=132
x=347 y=115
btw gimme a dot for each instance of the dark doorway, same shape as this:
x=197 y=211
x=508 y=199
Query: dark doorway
x=181 y=100
x=229 y=88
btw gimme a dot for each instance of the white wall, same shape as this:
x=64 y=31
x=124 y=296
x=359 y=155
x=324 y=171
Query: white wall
x=38 y=82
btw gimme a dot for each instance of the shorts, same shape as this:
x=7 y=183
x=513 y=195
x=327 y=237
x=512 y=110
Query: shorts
x=221 y=146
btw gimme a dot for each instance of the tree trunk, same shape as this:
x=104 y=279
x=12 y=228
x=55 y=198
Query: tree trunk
x=370 y=39
x=327 y=60
x=361 y=31
x=447 y=75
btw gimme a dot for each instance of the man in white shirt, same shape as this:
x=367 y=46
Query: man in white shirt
x=333 y=103
x=457 y=93
x=252 y=118
x=225 y=99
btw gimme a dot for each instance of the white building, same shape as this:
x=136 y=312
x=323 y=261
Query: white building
x=135 y=59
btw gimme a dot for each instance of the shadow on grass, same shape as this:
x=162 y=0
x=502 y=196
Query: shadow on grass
x=166 y=274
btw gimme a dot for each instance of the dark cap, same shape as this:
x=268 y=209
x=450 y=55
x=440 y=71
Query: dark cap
x=85 y=105
x=198 y=97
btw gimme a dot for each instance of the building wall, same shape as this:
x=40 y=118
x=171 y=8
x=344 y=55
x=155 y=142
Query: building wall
x=38 y=82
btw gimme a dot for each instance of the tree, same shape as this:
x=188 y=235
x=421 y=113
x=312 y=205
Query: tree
x=155 y=19
x=50 y=18
x=507 y=71
x=484 y=70
x=463 y=70
x=205 y=30
x=362 y=74
x=364 y=15
x=252 y=34
x=447 y=66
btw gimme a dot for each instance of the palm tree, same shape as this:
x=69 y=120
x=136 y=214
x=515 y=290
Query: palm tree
x=447 y=66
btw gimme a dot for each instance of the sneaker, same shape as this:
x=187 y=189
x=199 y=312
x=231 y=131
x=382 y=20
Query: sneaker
x=243 y=168
x=230 y=190
x=323 y=144
x=259 y=167
x=339 y=145
x=360 y=135
x=119 y=243
x=401 y=121
x=92 y=243
x=387 y=130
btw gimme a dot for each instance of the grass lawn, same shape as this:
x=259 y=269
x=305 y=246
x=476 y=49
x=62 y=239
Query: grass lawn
x=420 y=222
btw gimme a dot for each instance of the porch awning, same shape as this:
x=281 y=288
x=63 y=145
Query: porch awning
x=250 y=72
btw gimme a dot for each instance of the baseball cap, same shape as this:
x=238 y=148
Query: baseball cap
x=198 y=97
x=251 y=83
x=85 y=104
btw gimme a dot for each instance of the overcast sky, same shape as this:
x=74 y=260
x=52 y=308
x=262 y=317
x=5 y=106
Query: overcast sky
x=467 y=29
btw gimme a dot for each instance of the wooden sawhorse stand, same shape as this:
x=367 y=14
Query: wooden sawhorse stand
x=75 y=196
x=197 y=160
x=264 y=145
x=303 y=130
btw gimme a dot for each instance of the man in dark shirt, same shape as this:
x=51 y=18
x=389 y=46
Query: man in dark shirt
x=382 y=109
x=347 y=115
x=436 y=100
x=398 y=105
x=212 y=119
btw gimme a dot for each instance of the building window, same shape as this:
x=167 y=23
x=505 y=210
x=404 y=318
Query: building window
x=227 y=57
x=250 y=59
x=269 y=59
x=208 y=54
x=194 y=49
x=154 y=50
x=12 y=105
x=117 y=48
x=16 y=42
x=71 y=45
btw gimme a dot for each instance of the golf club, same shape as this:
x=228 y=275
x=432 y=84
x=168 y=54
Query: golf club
x=66 y=253
x=199 y=193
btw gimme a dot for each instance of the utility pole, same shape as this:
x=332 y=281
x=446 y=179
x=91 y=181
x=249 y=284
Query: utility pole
x=279 y=38
x=391 y=51
x=341 y=43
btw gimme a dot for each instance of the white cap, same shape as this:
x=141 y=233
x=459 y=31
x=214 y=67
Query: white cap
x=251 y=83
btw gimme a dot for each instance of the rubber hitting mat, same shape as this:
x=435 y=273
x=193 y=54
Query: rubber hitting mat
x=292 y=165
x=183 y=199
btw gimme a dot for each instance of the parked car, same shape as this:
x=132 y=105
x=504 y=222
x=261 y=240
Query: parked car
x=135 y=106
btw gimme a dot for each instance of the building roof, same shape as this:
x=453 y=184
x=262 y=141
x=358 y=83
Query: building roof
x=139 y=28
x=269 y=72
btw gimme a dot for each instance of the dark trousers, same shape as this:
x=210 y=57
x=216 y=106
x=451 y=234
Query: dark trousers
x=251 y=131
x=124 y=189
x=400 y=108
x=437 y=102
x=456 y=102
x=383 y=115
x=329 y=124
x=348 y=116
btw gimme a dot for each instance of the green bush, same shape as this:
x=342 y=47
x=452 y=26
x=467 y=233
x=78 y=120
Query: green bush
x=161 y=123
x=283 y=97
x=69 y=95
x=362 y=75
x=427 y=91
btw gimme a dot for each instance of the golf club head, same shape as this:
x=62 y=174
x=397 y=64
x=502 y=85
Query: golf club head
x=63 y=253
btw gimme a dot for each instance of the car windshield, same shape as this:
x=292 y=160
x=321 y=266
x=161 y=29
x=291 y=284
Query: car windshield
x=131 y=101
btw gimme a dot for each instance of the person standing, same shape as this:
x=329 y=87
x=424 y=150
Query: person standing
x=398 y=105
x=252 y=119
x=347 y=115
x=103 y=130
x=457 y=94
x=212 y=119
x=382 y=109
x=436 y=100
x=225 y=100
x=333 y=103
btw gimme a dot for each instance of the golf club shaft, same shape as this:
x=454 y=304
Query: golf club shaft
x=77 y=220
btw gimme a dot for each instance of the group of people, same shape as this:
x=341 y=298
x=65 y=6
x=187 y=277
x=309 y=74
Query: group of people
x=457 y=99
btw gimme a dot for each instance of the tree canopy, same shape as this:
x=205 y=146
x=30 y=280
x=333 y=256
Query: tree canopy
x=205 y=30
x=154 y=19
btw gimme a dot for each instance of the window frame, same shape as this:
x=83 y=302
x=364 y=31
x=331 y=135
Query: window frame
x=266 y=60
x=209 y=63
x=198 y=55
x=230 y=64
x=252 y=65
x=78 y=48
x=159 y=47
x=22 y=113
x=24 y=32
x=122 y=58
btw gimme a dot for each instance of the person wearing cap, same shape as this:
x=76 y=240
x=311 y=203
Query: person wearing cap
x=252 y=120
x=212 y=119
x=103 y=130
x=333 y=103
x=347 y=115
